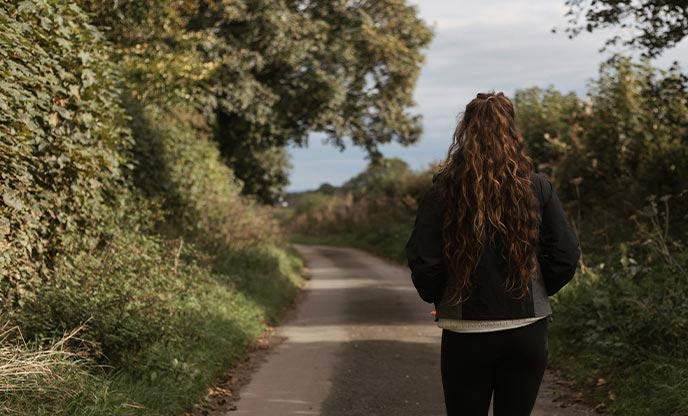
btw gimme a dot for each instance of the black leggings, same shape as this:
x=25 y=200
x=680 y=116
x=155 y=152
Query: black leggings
x=509 y=363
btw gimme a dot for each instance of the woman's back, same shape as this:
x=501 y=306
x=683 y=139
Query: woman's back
x=489 y=298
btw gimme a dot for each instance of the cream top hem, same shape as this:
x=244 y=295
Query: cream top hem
x=465 y=325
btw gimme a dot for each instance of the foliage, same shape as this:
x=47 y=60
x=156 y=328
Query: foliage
x=373 y=210
x=599 y=306
x=106 y=289
x=609 y=154
x=167 y=59
x=652 y=25
x=272 y=72
x=388 y=177
x=545 y=119
x=224 y=309
x=210 y=321
x=383 y=194
x=627 y=140
x=182 y=169
x=117 y=211
x=345 y=69
x=64 y=142
x=623 y=325
x=638 y=129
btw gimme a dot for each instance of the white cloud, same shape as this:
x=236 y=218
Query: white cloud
x=488 y=14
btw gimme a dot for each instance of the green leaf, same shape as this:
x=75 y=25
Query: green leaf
x=11 y=200
x=88 y=78
x=85 y=57
x=4 y=226
x=26 y=6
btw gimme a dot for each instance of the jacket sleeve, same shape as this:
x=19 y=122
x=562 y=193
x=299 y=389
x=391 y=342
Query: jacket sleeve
x=559 y=252
x=424 y=249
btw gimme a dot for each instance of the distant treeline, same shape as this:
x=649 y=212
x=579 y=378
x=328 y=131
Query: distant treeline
x=619 y=160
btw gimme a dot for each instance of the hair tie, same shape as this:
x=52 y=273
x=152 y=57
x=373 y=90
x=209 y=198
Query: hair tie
x=489 y=96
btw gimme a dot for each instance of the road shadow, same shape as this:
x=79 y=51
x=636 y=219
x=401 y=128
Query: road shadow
x=386 y=378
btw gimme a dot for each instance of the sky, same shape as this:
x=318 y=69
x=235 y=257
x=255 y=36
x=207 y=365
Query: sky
x=485 y=45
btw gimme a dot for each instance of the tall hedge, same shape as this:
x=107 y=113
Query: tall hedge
x=63 y=142
x=181 y=168
x=628 y=138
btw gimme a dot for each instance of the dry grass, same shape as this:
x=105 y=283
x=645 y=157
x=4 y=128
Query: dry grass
x=31 y=375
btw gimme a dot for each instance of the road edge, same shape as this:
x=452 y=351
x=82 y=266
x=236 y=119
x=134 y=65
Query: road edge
x=224 y=392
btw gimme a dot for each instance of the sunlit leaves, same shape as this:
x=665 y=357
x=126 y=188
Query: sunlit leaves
x=62 y=140
x=629 y=133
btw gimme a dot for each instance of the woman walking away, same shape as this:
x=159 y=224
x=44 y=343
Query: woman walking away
x=489 y=245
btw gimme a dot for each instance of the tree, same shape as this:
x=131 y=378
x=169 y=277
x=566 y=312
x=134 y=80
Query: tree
x=655 y=25
x=327 y=189
x=343 y=68
x=628 y=138
x=268 y=73
x=637 y=130
x=545 y=118
x=382 y=177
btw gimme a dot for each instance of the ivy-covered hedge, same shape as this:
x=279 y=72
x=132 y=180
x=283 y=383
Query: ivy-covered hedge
x=64 y=145
x=118 y=215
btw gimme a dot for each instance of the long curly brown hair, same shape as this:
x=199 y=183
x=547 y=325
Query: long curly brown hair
x=486 y=186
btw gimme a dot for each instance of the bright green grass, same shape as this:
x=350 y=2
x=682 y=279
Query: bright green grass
x=221 y=321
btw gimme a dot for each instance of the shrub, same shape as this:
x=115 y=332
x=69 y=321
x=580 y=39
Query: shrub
x=182 y=168
x=383 y=195
x=142 y=236
x=126 y=291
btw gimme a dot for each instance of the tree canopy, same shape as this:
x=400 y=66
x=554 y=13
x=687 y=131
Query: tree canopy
x=269 y=73
x=654 y=25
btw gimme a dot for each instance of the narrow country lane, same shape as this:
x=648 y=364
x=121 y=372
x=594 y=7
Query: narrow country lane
x=360 y=342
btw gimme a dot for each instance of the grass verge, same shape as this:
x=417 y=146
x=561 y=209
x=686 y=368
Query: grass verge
x=655 y=385
x=225 y=305
x=384 y=243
